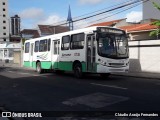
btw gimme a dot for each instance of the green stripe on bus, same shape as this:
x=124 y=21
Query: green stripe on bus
x=46 y=65
x=66 y=66
x=26 y=64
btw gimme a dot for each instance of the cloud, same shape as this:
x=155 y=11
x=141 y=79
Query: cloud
x=50 y=20
x=31 y=17
x=32 y=13
x=90 y=1
x=134 y=16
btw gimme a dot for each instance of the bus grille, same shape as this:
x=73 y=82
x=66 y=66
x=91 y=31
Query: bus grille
x=116 y=64
x=116 y=70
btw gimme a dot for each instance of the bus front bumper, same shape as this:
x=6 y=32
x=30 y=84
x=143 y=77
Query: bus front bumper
x=105 y=69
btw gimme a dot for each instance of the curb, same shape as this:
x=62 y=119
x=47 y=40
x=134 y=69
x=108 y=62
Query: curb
x=158 y=78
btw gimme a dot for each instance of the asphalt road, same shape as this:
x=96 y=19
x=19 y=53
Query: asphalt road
x=25 y=90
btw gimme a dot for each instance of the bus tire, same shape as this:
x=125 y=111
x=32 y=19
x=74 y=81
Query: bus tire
x=38 y=68
x=105 y=75
x=78 y=70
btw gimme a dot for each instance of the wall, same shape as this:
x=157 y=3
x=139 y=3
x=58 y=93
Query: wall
x=145 y=56
x=149 y=11
x=17 y=57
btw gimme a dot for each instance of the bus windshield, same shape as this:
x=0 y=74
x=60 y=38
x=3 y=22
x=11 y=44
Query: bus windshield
x=112 y=45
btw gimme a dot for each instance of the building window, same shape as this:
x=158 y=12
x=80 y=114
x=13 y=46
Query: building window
x=27 y=47
x=77 y=41
x=4 y=9
x=4 y=27
x=43 y=46
x=65 y=42
x=4 y=21
x=4 y=3
x=4 y=39
x=4 y=15
x=4 y=33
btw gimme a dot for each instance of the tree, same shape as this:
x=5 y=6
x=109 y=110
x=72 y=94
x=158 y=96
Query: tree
x=156 y=23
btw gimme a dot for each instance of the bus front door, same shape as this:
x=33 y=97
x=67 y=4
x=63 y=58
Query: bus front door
x=91 y=55
x=31 y=55
x=55 y=54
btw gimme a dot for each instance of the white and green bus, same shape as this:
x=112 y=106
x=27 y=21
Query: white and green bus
x=95 y=49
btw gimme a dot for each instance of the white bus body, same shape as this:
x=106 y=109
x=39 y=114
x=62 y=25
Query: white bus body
x=90 y=50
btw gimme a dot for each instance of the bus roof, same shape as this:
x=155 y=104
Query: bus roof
x=72 y=32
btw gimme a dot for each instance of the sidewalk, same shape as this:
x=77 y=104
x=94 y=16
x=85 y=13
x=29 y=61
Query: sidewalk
x=147 y=75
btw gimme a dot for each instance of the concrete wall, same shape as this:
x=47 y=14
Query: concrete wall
x=149 y=11
x=145 y=56
x=17 y=57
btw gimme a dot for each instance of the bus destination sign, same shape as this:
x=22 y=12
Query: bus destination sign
x=110 y=30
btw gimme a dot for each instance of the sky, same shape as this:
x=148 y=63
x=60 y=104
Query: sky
x=34 y=12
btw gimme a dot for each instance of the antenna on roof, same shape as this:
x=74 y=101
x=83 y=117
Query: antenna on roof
x=69 y=19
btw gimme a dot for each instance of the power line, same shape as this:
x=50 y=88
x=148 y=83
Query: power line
x=107 y=11
x=99 y=10
x=130 y=7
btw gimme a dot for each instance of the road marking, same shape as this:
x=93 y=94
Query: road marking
x=11 y=71
x=117 y=87
x=24 y=73
x=44 y=75
x=95 y=100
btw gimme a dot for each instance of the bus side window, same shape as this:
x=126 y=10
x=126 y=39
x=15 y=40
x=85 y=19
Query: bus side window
x=43 y=46
x=27 y=45
x=55 y=48
x=77 y=41
x=36 y=48
x=58 y=46
x=49 y=44
x=65 y=42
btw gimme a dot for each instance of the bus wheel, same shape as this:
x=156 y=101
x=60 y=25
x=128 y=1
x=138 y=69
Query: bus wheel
x=38 y=68
x=78 y=71
x=105 y=75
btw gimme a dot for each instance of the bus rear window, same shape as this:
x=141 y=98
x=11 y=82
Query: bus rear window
x=27 y=45
x=77 y=41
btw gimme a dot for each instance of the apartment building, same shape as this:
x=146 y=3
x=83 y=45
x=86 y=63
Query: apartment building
x=4 y=21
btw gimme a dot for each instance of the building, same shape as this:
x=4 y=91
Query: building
x=114 y=23
x=136 y=31
x=15 y=25
x=140 y=31
x=15 y=35
x=29 y=33
x=45 y=30
x=7 y=50
x=4 y=21
x=149 y=11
